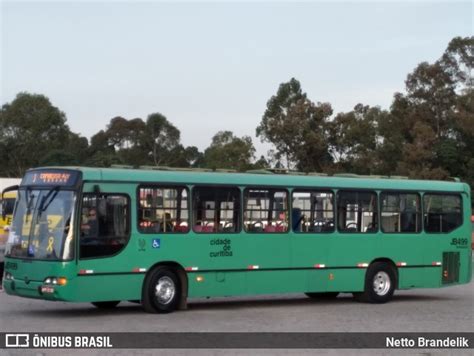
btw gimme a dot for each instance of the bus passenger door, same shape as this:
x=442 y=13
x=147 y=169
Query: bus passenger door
x=105 y=259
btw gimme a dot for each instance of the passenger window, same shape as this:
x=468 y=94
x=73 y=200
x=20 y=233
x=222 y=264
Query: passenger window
x=357 y=211
x=163 y=210
x=312 y=211
x=216 y=210
x=265 y=210
x=105 y=226
x=442 y=212
x=400 y=212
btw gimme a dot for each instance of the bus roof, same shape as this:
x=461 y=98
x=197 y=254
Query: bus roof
x=283 y=180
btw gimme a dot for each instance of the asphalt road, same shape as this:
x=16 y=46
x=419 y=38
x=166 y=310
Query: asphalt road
x=420 y=310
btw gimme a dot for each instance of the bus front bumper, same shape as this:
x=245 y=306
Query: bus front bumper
x=33 y=289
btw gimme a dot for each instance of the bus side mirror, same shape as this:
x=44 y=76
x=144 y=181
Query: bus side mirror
x=4 y=203
x=4 y=211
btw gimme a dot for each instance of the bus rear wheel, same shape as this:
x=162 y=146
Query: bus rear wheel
x=161 y=291
x=106 y=305
x=325 y=295
x=380 y=283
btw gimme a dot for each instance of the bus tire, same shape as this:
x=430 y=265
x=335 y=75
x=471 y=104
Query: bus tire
x=380 y=283
x=161 y=291
x=324 y=295
x=106 y=305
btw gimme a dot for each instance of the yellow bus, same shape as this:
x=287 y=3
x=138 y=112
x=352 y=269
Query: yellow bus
x=6 y=211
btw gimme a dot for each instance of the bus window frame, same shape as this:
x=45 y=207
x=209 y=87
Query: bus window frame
x=164 y=186
x=79 y=221
x=415 y=192
x=311 y=190
x=444 y=193
x=270 y=188
x=214 y=186
x=355 y=190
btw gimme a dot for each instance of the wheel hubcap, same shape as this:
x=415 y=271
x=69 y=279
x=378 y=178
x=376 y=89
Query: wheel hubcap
x=165 y=290
x=381 y=283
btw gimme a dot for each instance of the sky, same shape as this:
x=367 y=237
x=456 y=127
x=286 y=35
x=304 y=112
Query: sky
x=211 y=66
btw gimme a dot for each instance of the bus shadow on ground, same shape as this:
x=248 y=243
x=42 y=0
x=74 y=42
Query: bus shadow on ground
x=344 y=299
x=227 y=304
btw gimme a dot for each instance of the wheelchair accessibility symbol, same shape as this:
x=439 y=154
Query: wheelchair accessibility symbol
x=156 y=243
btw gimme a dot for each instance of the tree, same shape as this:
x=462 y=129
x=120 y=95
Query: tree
x=297 y=128
x=162 y=137
x=354 y=139
x=279 y=123
x=229 y=151
x=33 y=131
x=431 y=122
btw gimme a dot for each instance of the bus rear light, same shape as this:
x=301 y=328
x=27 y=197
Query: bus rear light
x=253 y=267
x=139 y=270
x=319 y=266
x=436 y=263
x=363 y=265
x=401 y=264
x=189 y=269
x=86 y=271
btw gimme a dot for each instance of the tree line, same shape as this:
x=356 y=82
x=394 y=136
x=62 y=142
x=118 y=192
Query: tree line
x=428 y=132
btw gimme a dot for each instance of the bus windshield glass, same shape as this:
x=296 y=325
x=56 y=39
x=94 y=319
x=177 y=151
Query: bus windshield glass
x=42 y=224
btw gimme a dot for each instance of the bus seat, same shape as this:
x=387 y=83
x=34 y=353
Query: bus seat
x=280 y=228
x=208 y=228
x=182 y=228
x=270 y=228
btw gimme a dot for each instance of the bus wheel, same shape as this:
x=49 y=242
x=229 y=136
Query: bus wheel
x=161 y=291
x=325 y=295
x=380 y=280
x=106 y=305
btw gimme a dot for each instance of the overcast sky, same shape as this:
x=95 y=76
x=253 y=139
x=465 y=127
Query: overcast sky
x=210 y=66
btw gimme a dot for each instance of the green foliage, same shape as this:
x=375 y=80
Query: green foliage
x=428 y=132
x=33 y=131
x=229 y=151
x=297 y=128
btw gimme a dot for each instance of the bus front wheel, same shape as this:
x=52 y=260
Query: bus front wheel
x=161 y=291
x=380 y=283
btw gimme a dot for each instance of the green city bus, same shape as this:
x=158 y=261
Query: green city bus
x=159 y=236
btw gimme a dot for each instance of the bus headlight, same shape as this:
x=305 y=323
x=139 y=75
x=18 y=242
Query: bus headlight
x=60 y=281
x=9 y=276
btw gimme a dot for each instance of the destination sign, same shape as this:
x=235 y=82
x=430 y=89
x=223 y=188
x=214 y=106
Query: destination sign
x=51 y=177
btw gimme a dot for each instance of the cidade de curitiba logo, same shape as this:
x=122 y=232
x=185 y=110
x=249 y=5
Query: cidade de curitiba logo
x=56 y=341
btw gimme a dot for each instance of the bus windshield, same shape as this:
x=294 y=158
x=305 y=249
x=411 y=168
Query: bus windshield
x=42 y=224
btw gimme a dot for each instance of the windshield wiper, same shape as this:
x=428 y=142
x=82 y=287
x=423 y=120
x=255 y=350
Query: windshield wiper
x=29 y=197
x=47 y=199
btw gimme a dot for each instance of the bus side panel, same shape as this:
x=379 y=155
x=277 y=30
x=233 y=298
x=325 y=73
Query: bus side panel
x=419 y=277
x=90 y=288
x=256 y=282
x=346 y=280
x=220 y=284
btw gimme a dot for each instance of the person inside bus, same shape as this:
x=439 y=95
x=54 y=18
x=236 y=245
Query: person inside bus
x=91 y=227
x=167 y=223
